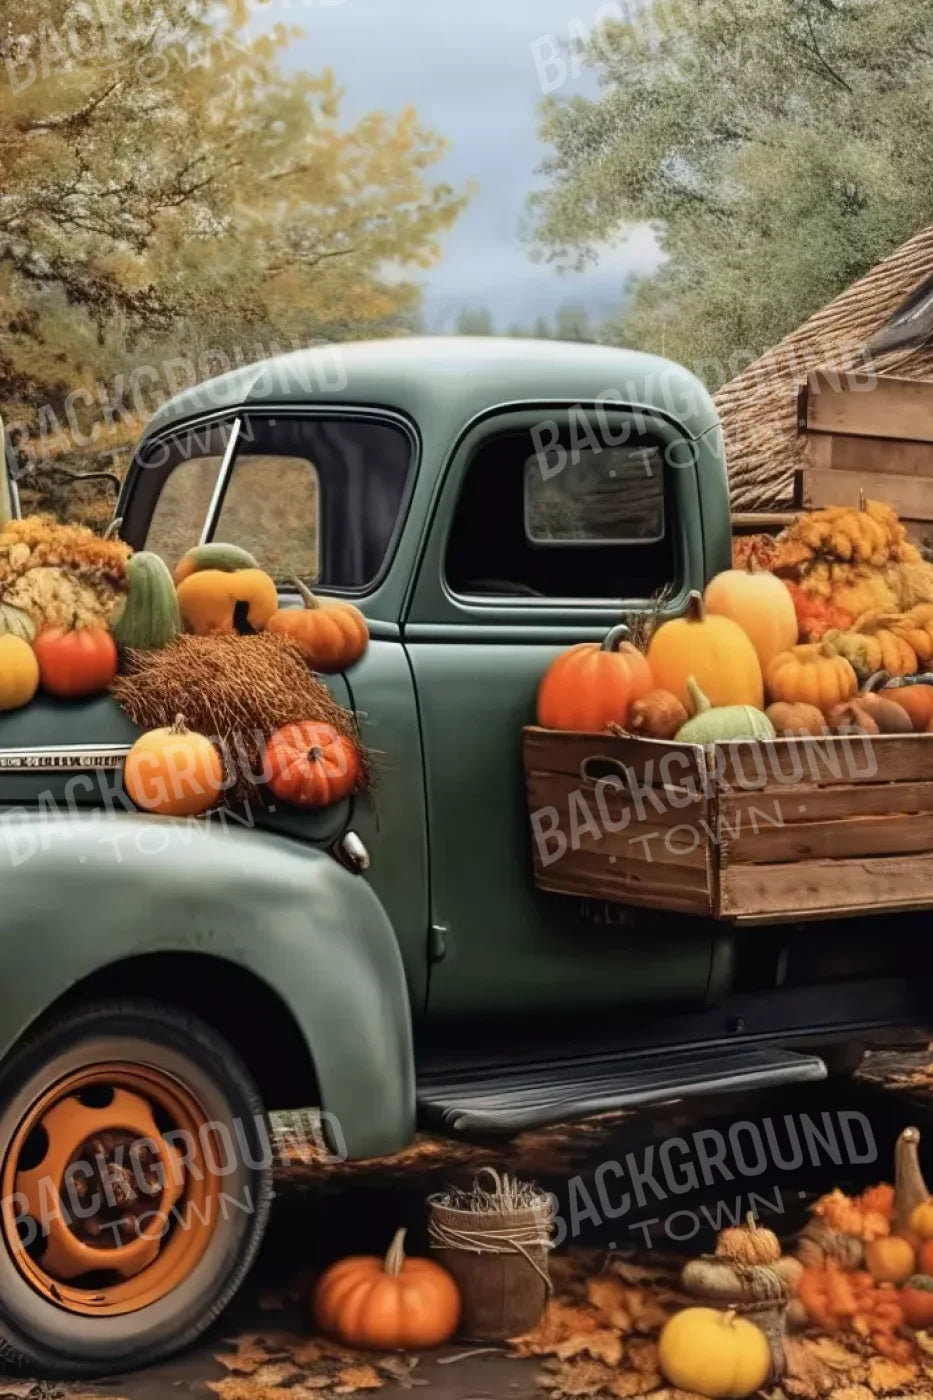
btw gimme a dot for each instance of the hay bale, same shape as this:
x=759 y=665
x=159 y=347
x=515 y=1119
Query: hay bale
x=234 y=689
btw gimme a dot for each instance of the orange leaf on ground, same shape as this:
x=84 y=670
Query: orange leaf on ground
x=579 y=1377
x=604 y=1345
x=560 y=1322
x=885 y=1376
x=643 y=1356
x=252 y=1351
x=634 y=1383
x=352 y=1378
x=609 y=1295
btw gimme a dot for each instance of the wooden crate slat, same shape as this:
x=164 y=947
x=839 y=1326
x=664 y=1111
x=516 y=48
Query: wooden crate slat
x=909 y=495
x=653 y=762
x=872 y=456
x=747 y=766
x=825 y=886
x=886 y=407
x=622 y=821
x=897 y=834
x=774 y=806
x=645 y=885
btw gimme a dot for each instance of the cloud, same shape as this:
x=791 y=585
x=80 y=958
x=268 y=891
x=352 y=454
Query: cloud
x=469 y=68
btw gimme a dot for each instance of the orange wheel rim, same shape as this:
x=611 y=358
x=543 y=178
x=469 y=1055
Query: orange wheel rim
x=111 y=1189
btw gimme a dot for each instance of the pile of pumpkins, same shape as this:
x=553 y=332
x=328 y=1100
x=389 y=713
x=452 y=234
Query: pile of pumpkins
x=732 y=668
x=216 y=588
x=862 y=1266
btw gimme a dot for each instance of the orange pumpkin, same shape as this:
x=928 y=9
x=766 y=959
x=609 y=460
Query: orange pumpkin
x=173 y=772
x=916 y=1298
x=72 y=664
x=890 y=1259
x=387 y=1304
x=917 y=700
x=811 y=675
x=311 y=764
x=331 y=633
x=760 y=603
x=715 y=650
x=593 y=684
x=925 y=1257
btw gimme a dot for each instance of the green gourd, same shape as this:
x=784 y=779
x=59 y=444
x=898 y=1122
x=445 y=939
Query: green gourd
x=150 y=616
x=723 y=723
x=228 y=558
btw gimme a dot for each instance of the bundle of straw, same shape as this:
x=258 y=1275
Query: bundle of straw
x=234 y=689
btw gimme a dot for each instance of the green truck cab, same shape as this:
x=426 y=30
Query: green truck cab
x=485 y=503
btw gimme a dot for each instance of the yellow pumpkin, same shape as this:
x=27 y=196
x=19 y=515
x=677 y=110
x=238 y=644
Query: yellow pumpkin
x=921 y=1220
x=212 y=600
x=760 y=603
x=811 y=674
x=714 y=650
x=714 y=1354
x=19 y=672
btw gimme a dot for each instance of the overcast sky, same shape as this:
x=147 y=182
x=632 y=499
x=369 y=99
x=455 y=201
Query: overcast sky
x=469 y=67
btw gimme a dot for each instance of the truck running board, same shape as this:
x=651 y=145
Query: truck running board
x=514 y=1098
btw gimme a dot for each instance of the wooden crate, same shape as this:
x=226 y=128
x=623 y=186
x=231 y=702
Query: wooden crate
x=796 y=828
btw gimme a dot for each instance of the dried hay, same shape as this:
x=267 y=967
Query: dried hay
x=234 y=689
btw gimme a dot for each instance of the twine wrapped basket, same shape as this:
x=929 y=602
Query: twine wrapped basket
x=495 y=1242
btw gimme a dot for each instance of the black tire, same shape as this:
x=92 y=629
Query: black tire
x=47 y=1340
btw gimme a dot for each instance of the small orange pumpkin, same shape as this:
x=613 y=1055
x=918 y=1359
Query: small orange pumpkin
x=714 y=650
x=593 y=684
x=387 y=1304
x=916 y=700
x=812 y=674
x=173 y=772
x=890 y=1259
x=73 y=664
x=658 y=715
x=311 y=764
x=332 y=633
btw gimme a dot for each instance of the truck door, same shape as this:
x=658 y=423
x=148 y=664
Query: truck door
x=544 y=534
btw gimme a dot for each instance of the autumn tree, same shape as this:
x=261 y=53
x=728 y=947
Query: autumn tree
x=166 y=185
x=778 y=147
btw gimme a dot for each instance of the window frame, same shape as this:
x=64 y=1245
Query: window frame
x=137 y=509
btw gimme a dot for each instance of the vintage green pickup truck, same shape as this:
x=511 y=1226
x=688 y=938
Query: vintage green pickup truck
x=484 y=502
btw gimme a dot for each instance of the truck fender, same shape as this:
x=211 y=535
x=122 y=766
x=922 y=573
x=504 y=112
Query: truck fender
x=78 y=894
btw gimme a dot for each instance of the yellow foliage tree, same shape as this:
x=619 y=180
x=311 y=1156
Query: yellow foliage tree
x=165 y=183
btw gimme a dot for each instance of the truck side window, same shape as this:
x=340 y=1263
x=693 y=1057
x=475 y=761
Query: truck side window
x=312 y=496
x=588 y=524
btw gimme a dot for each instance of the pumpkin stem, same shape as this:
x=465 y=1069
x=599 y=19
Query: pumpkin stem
x=112 y=531
x=395 y=1256
x=862 y=503
x=696 y=608
x=304 y=592
x=179 y=726
x=698 y=700
x=750 y=1222
x=315 y=754
x=729 y=1317
x=614 y=639
x=752 y=565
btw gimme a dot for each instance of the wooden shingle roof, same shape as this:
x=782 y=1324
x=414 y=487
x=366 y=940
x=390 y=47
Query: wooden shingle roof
x=759 y=407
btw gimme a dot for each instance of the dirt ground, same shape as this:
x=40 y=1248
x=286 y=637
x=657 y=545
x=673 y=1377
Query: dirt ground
x=322 y=1213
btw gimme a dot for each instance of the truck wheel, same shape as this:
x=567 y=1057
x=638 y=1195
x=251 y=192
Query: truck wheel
x=136 y=1183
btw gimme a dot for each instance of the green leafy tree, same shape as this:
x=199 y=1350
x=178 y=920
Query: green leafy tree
x=778 y=147
x=474 y=320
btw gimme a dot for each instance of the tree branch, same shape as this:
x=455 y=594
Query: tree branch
x=72 y=121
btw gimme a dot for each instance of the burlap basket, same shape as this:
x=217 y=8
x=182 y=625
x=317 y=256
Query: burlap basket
x=498 y=1257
